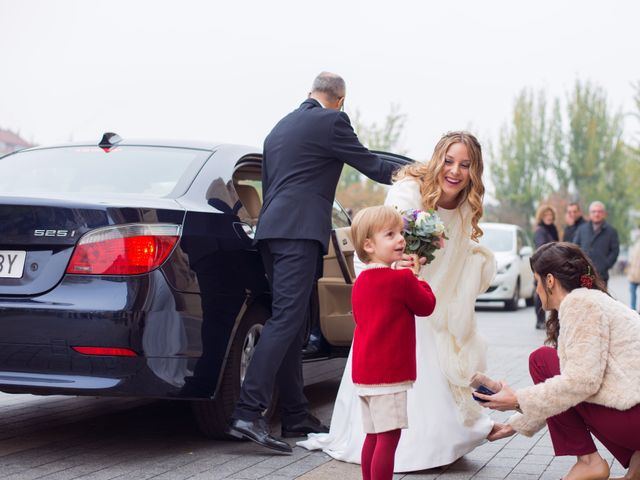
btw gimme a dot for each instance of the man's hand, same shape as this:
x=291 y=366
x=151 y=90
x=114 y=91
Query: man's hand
x=500 y=430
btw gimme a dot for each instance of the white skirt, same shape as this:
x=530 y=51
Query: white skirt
x=436 y=435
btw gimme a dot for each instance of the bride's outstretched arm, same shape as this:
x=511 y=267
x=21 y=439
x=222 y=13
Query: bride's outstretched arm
x=404 y=195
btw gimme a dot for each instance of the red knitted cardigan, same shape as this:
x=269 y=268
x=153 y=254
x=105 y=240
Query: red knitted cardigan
x=385 y=302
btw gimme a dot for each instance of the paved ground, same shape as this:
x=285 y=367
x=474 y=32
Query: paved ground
x=60 y=438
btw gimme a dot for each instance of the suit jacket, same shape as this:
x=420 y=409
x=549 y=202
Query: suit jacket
x=570 y=230
x=602 y=247
x=303 y=157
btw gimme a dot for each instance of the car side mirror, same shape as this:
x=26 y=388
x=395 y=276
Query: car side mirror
x=526 y=251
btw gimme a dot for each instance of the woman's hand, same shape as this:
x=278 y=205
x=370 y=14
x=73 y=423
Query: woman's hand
x=407 y=261
x=504 y=400
x=500 y=430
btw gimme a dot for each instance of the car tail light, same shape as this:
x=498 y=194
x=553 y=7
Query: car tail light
x=124 y=250
x=106 y=351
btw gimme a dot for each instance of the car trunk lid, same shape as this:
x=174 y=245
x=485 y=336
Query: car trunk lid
x=38 y=235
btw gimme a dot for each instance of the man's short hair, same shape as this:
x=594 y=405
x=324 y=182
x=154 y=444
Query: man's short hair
x=597 y=203
x=330 y=84
x=370 y=221
x=573 y=204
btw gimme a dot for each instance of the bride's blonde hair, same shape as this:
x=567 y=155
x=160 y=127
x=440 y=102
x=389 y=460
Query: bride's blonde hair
x=426 y=174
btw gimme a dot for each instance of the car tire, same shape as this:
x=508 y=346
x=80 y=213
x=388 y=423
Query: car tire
x=212 y=416
x=512 y=304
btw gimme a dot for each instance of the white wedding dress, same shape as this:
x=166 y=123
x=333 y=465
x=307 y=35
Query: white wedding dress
x=444 y=421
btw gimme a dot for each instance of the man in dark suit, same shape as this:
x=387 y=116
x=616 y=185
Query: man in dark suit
x=303 y=157
x=599 y=240
x=574 y=220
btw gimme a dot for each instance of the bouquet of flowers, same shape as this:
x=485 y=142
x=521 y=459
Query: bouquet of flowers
x=424 y=233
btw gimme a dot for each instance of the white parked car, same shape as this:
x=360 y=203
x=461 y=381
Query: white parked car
x=514 y=279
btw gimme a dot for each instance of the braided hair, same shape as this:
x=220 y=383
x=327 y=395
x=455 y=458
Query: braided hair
x=572 y=268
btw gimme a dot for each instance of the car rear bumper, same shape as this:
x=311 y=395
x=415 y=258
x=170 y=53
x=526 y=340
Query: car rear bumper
x=65 y=382
x=138 y=313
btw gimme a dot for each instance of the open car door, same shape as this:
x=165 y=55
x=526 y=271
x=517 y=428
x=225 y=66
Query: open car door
x=334 y=287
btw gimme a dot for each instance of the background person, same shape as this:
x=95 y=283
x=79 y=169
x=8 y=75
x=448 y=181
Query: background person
x=588 y=381
x=599 y=240
x=633 y=272
x=545 y=232
x=303 y=157
x=574 y=219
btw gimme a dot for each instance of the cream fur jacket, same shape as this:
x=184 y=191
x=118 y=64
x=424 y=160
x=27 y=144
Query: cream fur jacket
x=599 y=351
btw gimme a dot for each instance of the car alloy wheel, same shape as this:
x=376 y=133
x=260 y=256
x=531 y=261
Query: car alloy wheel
x=251 y=339
x=512 y=304
x=212 y=416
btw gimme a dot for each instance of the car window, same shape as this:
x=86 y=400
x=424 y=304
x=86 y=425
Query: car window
x=339 y=217
x=497 y=240
x=523 y=239
x=132 y=170
x=519 y=241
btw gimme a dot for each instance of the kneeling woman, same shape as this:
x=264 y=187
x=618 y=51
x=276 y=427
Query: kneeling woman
x=588 y=380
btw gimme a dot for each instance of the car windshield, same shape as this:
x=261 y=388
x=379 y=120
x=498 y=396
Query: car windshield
x=497 y=240
x=131 y=170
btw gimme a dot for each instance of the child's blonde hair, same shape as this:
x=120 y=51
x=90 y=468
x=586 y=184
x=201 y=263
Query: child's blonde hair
x=370 y=221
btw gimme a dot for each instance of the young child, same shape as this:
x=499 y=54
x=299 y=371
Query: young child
x=385 y=303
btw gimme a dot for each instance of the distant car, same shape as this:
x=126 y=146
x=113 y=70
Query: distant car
x=127 y=268
x=512 y=248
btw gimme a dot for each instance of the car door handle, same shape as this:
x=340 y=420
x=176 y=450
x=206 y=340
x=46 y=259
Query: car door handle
x=246 y=229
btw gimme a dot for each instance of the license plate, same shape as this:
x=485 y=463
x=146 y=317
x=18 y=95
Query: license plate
x=12 y=263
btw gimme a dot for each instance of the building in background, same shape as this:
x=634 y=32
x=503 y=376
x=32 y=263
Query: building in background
x=11 y=142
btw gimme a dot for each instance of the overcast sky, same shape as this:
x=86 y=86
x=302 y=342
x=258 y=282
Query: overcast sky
x=228 y=70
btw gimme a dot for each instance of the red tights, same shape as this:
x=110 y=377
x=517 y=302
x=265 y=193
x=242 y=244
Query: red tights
x=378 y=453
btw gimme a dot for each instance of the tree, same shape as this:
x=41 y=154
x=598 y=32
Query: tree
x=519 y=168
x=597 y=158
x=355 y=191
x=575 y=153
x=634 y=163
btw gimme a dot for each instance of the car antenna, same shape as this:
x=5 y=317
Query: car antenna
x=109 y=140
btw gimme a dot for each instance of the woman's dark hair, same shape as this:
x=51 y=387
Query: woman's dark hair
x=567 y=263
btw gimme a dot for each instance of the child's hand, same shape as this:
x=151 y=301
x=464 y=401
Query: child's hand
x=407 y=262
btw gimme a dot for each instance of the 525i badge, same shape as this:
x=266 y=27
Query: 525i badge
x=54 y=233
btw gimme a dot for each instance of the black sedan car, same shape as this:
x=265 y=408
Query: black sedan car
x=128 y=269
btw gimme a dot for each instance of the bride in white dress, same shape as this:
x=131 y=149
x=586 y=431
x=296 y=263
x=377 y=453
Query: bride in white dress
x=444 y=421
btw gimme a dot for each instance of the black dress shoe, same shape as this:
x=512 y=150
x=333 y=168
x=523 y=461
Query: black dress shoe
x=258 y=432
x=316 y=346
x=310 y=424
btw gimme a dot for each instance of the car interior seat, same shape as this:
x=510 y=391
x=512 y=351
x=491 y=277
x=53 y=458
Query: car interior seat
x=250 y=199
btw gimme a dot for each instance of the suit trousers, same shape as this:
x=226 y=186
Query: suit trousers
x=571 y=430
x=291 y=266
